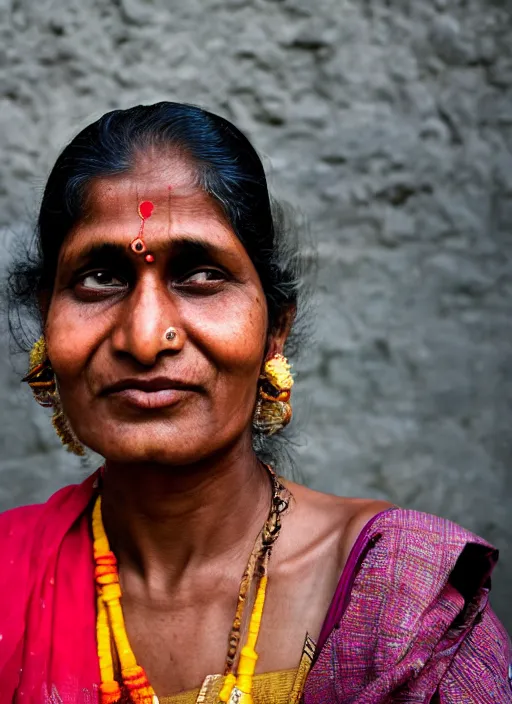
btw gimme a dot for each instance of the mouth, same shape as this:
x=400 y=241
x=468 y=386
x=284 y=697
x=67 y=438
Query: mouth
x=160 y=392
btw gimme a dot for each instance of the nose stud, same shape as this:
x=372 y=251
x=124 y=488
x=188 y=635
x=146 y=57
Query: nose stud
x=171 y=334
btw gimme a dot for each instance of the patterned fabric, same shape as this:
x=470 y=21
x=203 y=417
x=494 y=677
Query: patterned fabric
x=410 y=619
x=417 y=620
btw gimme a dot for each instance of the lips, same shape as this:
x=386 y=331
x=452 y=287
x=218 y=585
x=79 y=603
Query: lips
x=159 y=392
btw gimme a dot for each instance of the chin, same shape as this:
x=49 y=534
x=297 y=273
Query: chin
x=156 y=446
x=167 y=439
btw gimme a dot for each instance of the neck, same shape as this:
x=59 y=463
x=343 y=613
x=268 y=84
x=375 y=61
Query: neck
x=164 y=522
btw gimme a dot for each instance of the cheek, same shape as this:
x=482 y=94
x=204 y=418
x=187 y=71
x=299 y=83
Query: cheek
x=235 y=335
x=70 y=339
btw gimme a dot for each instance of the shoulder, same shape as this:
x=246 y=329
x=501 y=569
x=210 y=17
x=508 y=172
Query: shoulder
x=362 y=514
x=25 y=517
x=408 y=548
x=400 y=530
x=418 y=556
x=424 y=566
x=25 y=527
x=16 y=523
x=417 y=596
x=430 y=542
x=333 y=521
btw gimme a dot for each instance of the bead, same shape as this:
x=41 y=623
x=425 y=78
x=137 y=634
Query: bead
x=110 y=692
x=227 y=688
x=149 y=258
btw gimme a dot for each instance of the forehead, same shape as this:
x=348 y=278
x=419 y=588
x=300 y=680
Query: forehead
x=180 y=210
x=170 y=185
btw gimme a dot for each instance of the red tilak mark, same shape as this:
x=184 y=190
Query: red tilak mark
x=169 y=188
x=145 y=210
x=149 y=258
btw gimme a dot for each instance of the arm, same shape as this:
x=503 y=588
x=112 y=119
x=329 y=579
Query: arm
x=479 y=672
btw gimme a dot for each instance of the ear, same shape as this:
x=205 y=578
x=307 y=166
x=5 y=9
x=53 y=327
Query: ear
x=277 y=339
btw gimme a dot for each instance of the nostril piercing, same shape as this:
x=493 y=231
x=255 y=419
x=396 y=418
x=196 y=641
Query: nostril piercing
x=170 y=334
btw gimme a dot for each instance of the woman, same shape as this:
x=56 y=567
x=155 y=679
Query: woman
x=185 y=570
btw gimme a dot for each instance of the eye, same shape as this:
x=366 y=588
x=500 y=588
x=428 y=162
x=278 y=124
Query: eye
x=98 y=283
x=202 y=279
x=101 y=279
x=204 y=276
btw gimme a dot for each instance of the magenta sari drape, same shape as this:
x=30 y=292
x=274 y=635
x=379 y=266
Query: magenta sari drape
x=410 y=620
x=410 y=617
x=48 y=620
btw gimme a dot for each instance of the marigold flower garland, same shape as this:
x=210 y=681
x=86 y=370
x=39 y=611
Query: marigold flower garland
x=110 y=613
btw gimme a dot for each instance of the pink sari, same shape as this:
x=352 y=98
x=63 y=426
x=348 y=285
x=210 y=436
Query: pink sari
x=410 y=617
x=48 y=623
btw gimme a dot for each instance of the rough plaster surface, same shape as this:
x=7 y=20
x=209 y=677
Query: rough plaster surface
x=390 y=124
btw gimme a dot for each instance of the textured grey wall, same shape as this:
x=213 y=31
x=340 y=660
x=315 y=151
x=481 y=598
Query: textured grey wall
x=390 y=123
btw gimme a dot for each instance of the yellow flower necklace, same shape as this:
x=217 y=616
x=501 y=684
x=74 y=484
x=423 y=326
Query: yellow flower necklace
x=110 y=625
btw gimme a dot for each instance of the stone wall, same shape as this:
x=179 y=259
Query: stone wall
x=389 y=123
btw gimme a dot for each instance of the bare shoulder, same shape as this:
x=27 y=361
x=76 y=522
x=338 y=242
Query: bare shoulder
x=361 y=511
x=333 y=520
x=318 y=532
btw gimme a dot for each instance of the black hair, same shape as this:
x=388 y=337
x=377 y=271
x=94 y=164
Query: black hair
x=227 y=168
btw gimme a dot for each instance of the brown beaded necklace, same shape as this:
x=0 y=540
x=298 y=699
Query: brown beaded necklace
x=258 y=561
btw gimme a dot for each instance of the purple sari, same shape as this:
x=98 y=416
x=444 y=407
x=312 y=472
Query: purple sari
x=410 y=620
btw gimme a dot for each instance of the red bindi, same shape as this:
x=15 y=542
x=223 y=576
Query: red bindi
x=146 y=209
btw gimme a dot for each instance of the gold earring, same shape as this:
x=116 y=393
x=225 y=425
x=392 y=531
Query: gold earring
x=273 y=410
x=41 y=380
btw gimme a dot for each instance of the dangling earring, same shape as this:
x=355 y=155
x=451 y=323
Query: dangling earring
x=273 y=410
x=41 y=380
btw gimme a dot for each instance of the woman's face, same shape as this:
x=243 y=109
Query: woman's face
x=131 y=394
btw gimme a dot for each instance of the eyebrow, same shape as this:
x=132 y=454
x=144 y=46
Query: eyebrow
x=196 y=248
x=181 y=247
x=100 y=250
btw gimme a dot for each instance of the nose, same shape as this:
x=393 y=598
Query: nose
x=144 y=321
